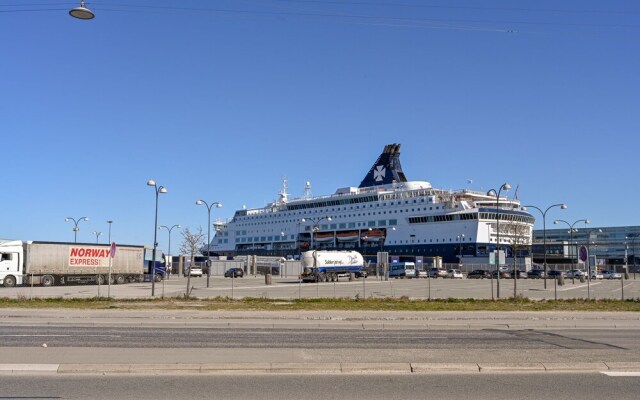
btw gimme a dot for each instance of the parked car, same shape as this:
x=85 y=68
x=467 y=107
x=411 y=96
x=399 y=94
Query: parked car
x=576 y=273
x=478 y=274
x=361 y=274
x=454 y=274
x=519 y=274
x=595 y=274
x=423 y=274
x=503 y=275
x=536 y=274
x=610 y=274
x=437 y=273
x=554 y=274
x=234 y=273
x=194 y=271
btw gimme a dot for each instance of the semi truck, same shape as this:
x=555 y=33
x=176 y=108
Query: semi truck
x=53 y=263
x=327 y=265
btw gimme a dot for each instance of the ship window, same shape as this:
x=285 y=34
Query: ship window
x=371 y=223
x=393 y=222
x=382 y=223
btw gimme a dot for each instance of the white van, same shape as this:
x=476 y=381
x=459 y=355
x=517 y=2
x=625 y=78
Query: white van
x=402 y=270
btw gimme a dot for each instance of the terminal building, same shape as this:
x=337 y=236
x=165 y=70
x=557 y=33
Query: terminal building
x=610 y=246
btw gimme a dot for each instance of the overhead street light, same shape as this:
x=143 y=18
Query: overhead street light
x=97 y=235
x=75 y=226
x=158 y=190
x=571 y=230
x=81 y=12
x=544 y=233
x=169 y=230
x=493 y=192
x=209 y=206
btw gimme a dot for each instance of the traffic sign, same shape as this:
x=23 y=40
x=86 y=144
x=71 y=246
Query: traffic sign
x=584 y=253
x=113 y=249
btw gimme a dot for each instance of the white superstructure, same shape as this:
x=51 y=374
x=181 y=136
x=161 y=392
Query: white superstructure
x=385 y=212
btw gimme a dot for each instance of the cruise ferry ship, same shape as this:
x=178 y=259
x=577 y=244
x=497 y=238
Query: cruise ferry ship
x=386 y=212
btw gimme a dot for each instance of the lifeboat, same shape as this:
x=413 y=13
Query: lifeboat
x=323 y=237
x=373 y=235
x=350 y=236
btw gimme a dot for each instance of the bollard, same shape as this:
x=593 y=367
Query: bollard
x=352 y=276
x=267 y=279
x=582 y=279
x=561 y=280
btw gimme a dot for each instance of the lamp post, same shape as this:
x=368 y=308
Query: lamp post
x=506 y=187
x=571 y=230
x=75 y=226
x=314 y=228
x=97 y=235
x=460 y=239
x=169 y=230
x=158 y=190
x=209 y=206
x=109 y=222
x=633 y=237
x=81 y=12
x=544 y=233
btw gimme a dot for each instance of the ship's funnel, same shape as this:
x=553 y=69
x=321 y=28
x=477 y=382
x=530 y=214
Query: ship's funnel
x=386 y=169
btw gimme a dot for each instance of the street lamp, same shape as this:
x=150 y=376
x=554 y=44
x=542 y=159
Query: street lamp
x=544 y=233
x=571 y=230
x=209 y=206
x=158 y=190
x=316 y=223
x=169 y=230
x=314 y=228
x=97 y=235
x=75 y=226
x=633 y=237
x=81 y=12
x=506 y=187
x=460 y=239
x=109 y=222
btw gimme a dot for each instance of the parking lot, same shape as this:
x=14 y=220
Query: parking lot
x=372 y=287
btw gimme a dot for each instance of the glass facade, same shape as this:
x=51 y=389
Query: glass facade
x=610 y=245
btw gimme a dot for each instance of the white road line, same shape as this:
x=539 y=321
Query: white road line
x=621 y=373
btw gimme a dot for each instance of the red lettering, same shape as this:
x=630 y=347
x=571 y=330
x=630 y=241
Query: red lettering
x=74 y=252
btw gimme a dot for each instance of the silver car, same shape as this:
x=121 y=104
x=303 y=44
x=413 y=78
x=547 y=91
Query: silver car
x=609 y=274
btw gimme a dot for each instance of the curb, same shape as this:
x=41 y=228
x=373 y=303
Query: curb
x=319 y=368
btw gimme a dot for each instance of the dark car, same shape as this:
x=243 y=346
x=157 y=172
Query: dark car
x=536 y=274
x=519 y=274
x=503 y=275
x=234 y=273
x=361 y=274
x=478 y=274
x=553 y=274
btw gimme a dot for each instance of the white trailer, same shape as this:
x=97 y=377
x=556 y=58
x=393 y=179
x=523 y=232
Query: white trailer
x=327 y=265
x=51 y=263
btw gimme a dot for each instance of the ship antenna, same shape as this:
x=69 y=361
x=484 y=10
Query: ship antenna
x=307 y=190
x=283 y=193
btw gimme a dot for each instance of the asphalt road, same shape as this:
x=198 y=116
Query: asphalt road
x=594 y=386
x=265 y=338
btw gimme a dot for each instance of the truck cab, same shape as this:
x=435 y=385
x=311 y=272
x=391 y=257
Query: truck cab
x=11 y=253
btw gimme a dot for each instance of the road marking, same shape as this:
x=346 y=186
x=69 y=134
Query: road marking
x=83 y=335
x=621 y=373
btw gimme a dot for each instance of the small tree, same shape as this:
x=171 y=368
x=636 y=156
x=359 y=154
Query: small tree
x=191 y=244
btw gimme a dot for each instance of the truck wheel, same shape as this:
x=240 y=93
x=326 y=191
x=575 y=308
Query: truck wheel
x=119 y=279
x=100 y=279
x=47 y=280
x=9 y=281
x=159 y=277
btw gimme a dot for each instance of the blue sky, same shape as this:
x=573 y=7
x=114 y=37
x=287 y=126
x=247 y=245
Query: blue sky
x=220 y=100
